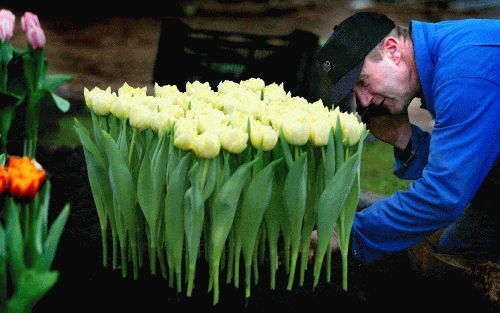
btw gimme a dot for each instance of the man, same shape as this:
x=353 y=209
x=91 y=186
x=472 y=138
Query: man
x=454 y=67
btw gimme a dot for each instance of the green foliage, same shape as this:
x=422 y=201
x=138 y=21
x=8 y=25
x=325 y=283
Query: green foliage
x=377 y=164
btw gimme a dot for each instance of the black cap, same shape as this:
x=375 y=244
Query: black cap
x=341 y=59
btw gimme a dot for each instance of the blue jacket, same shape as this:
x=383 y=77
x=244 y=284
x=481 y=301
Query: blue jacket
x=458 y=63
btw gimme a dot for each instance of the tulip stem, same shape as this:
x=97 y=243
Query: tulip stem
x=230 y=261
x=132 y=144
x=161 y=260
x=4 y=78
x=205 y=172
x=104 y=247
x=115 y=248
x=329 y=264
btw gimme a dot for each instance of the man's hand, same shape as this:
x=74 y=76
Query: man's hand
x=393 y=129
x=314 y=241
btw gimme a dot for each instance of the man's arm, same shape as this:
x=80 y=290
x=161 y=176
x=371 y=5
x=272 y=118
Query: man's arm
x=411 y=161
x=463 y=147
x=411 y=144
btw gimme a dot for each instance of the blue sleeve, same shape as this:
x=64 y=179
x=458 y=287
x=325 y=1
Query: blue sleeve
x=463 y=147
x=412 y=168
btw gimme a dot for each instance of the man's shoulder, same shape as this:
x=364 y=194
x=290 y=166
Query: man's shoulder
x=467 y=49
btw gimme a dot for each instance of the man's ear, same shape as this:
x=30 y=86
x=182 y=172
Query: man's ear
x=392 y=49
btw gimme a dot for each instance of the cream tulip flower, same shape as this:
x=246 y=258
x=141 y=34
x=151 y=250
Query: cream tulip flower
x=253 y=84
x=206 y=145
x=100 y=100
x=269 y=138
x=351 y=128
x=166 y=92
x=140 y=117
x=296 y=131
x=127 y=90
x=122 y=106
x=320 y=132
x=233 y=140
x=162 y=122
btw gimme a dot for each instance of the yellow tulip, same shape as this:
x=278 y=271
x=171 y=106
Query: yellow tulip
x=127 y=90
x=174 y=110
x=182 y=100
x=332 y=116
x=228 y=87
x=183 y=138
x=269 y=138
x=233 y=140
x=256 y=134
x=206 y=145
x=351 y=128
x=296 y=131
x=140 y=117
x=275 y=93
x=253 y=84
x=166 y=92
x=227 y=102
x=122 y=106
x=87 y=97
x=208 y=120
x=162 y=122
x=320 y=132
x=263 y=135
x=100 y=100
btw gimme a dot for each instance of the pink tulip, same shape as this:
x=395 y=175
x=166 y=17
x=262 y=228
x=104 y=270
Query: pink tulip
x=29 y=20
x=36 y=37
x=7 y=22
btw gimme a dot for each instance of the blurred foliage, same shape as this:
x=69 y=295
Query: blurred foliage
x=377 y=165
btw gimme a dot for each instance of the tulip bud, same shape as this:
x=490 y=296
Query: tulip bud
x=167 y=106
x=296 y=131
x=275 y=93
x=25 y=177
x=7 y=22
x=121 y=107
x=140 y=117
x=166 y=91
x=256 y=133
x=228 y=87
x=351 y=129
x=332 y=115
x=183 y=100
x=36 y=37
x=183 y=138
x=234 y=140
x=206 y=145
x=100 y=100
x=28 y=21
x=131 y=91
x=198 y=89
x=269 y=138
x=253 y=84
x=4 y=179
x=320 y=133
x=162 y=122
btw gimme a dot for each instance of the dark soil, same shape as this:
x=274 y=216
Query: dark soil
x=86 y=286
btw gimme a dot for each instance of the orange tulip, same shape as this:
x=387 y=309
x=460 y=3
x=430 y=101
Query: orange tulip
x=4 y=179
x=26 y=177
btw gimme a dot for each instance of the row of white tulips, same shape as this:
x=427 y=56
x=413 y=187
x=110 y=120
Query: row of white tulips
x=230 y=172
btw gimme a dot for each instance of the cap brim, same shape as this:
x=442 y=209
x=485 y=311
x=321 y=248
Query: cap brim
x=344 y=85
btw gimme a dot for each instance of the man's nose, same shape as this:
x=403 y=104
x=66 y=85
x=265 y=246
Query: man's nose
x=364 y=98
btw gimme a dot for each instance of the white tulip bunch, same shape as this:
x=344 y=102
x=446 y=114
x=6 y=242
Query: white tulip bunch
x=234 y=170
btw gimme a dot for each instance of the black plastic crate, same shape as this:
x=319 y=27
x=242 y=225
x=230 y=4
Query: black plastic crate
x=188 y=54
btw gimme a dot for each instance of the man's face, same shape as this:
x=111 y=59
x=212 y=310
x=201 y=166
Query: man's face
x=384 y=83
